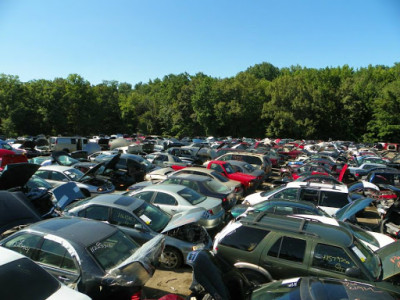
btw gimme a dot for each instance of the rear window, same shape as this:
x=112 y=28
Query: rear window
x=24 y=279
x=191 y=196
x=244 y=238
x=112 y=251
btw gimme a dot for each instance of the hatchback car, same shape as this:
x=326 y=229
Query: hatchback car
x=21 y=278
x=143 y=221
x=96 y=258
x=174 y=198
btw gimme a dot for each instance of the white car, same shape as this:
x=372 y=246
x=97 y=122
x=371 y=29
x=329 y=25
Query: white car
x=329 y=197
x=22 y=278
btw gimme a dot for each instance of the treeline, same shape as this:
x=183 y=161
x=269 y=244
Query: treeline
x=297 y=102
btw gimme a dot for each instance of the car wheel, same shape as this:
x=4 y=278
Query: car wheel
x=172 y=258
x=254 y=276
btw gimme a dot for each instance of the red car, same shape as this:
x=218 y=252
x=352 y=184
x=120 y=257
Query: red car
x=10 y=157
x=248 y=182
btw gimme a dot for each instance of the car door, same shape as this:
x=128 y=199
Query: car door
x=284 y=256
x=58 y=261
x=167 y=203
x=330 y=261
x=131 y=225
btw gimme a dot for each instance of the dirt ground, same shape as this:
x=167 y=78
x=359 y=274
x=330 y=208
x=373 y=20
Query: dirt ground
x=166 y=282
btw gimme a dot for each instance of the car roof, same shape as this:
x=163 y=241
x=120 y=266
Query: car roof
x=191 y=177
x=164 y=187
x=300 y=226
x=316 y=185
x=117 y=200
x=56 y=168
x=74 y=229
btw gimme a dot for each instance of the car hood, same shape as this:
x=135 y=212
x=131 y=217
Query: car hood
x=17 y=175
x=92 y=172
x=67 y=193
x=184 y=218
x=349 y=210
x=390 y=260
x=137 y=269
x=342 y=172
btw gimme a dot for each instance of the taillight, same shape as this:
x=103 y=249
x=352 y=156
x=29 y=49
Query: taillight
x=210 y=211
x=237 y=189
x=357 y=175
x=136 y=296
x=259 y=177
x=224 y=199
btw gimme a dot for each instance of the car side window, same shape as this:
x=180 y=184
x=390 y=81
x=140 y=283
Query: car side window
x=288 y=248
x=43 y=174
x=122 y=218
x=309 y=195
x=58 y=176
x=289 y=194
x=24 y=243
x=332 y=199
x=163 y=198
x=244 y=238
x=95 y=212
x=281 y=210
x=331 y=258
x=54 y=254
x=146 y=196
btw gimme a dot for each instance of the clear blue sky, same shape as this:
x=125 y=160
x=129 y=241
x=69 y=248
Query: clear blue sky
x=140 y=40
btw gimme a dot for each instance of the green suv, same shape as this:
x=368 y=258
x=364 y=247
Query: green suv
x=269 y=247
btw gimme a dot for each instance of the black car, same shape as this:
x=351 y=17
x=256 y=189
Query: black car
x=207 y=186
x=124 y=169
x=96 y=258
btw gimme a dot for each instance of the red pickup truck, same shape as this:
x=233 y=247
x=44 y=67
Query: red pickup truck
x=248 y=182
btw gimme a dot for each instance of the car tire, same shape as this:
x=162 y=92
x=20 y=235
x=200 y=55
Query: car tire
x=172 y=258
x=255 y=277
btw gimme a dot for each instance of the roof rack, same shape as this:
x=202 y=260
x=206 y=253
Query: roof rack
x=299 y=229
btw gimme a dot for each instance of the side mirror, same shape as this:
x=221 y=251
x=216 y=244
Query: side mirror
x=353 y=272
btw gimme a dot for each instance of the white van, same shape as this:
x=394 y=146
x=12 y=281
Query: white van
x=67 y=143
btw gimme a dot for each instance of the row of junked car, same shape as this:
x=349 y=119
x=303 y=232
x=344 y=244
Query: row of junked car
x=140 y=217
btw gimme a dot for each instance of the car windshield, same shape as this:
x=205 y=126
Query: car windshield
x=21 y=279
x=220 y=177
x=67 y=160
x=249 y=168
x=155 y=218
x=36 y=182
x=361 y=234
x=367 y=257
x=113 y=250
x=6 y=146
x=191 y=196
x=229 y=169
x=73 y=174
x=216 y=187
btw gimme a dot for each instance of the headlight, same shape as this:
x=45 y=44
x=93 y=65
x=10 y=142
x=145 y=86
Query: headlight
x=198 y=247
x=251 y=183
x=100 y=189
x=245 y=202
